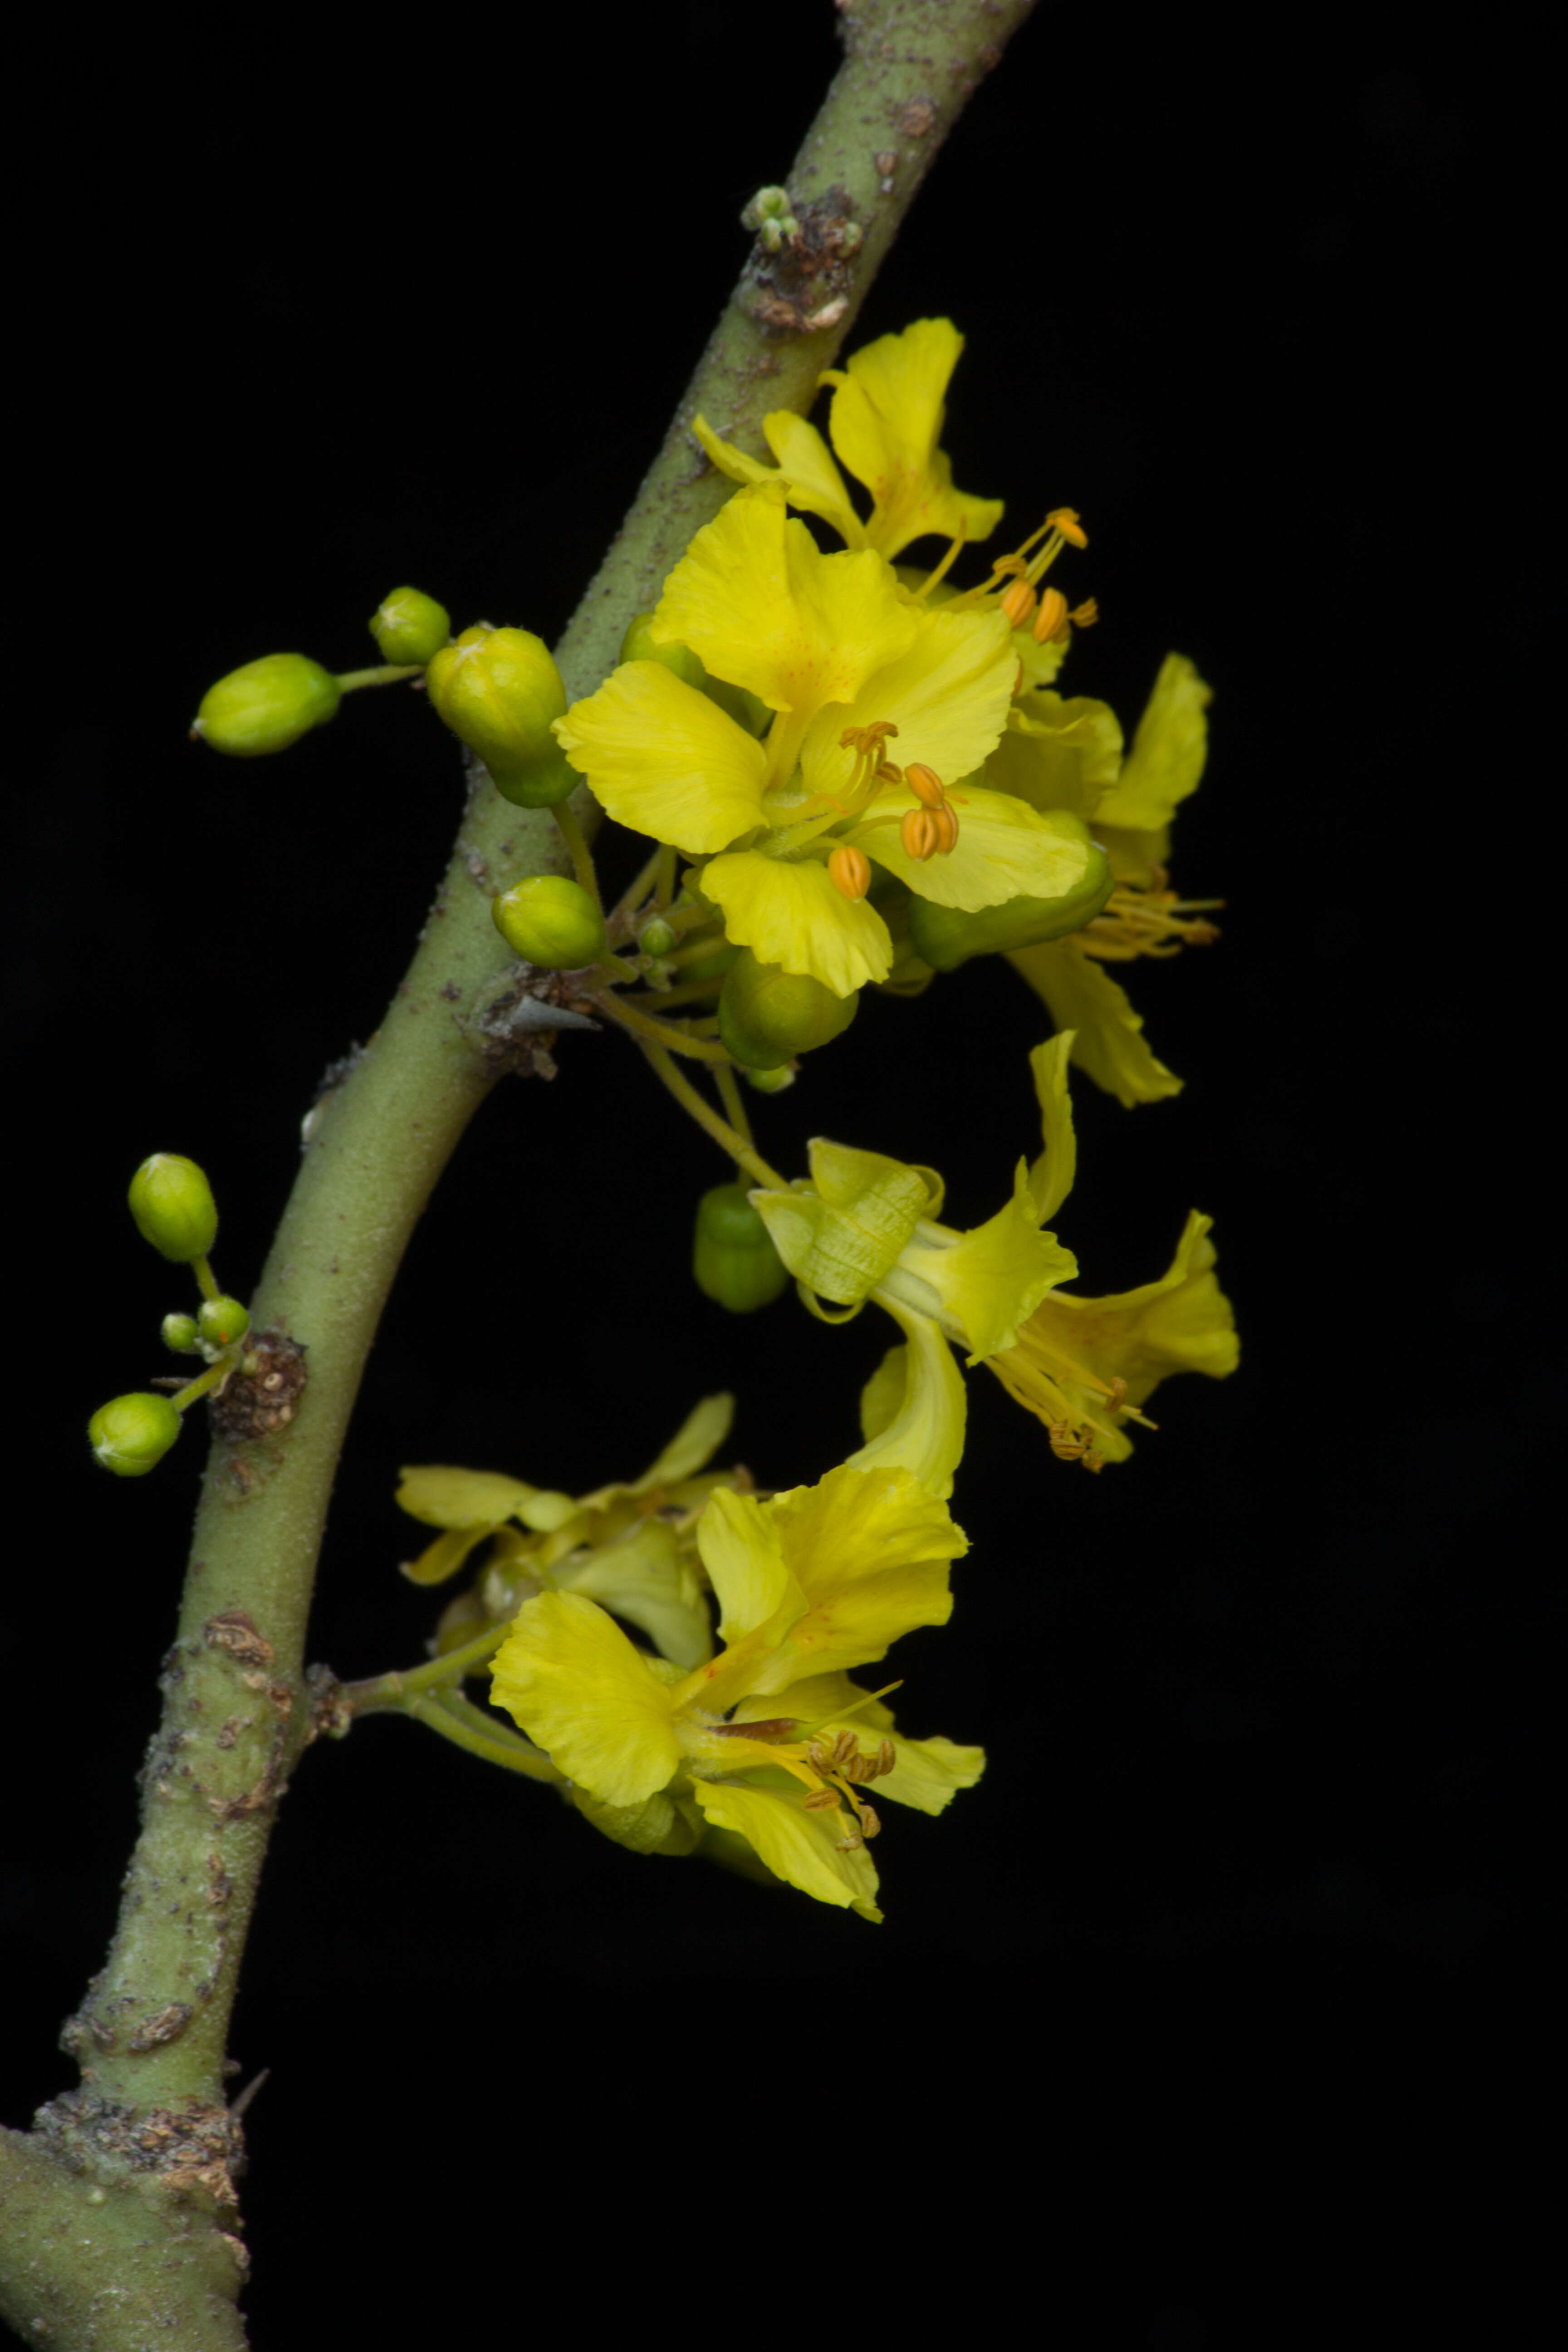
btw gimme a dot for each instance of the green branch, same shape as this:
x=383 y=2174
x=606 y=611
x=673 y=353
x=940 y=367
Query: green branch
x=120 y=2213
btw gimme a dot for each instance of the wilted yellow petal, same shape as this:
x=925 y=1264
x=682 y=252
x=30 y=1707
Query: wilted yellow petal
x=646 y=1578
x=1109 y=1039
x=1051 y=1176
x=664 y=759
x=571 y=1680
x=1059 y=755
x=985 y=1282
x=445 y=1556
x=913 y=1408
x=443 y=1495
x=1168 y=752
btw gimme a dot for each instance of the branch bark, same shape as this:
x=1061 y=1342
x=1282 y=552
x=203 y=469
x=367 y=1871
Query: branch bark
x=120 y=2215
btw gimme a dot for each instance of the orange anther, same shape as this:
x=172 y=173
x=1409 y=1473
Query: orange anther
x=1051 y=620
x=947 y=829
x=850 y=871
x=1017 y=603
x=925 y=784
x=919 y=834
x=1084 y=617
x=1065 y=520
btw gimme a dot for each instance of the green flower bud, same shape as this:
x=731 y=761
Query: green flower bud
x=500 y=690
x=737 y=702
x=769 y=204
x=222 y=1320
x=657 y=937
x=130 y=1434
x=732 y=1255
x=173 y=1204
x=549 y=920
x=944 y=938
x=410 y=626
x=267 y=706
x=771 y=1082
x=709 y=967
x=180 y=1334
x=767 y=1015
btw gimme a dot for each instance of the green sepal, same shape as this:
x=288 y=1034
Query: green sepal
x=660 y=1825
x=768 y=1016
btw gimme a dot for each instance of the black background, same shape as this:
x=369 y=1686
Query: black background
x=1242 y=1923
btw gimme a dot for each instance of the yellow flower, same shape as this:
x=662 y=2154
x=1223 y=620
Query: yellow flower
x=885 y=423
x=627 y=1546
x=1065 y=755
x=848 y=664
x=866 y=1227
x=763 y=1740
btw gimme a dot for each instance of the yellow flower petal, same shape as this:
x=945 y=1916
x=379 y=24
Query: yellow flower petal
x=1059 y=755
x=569 y=1676
x=948 y=694
x=759 y=604
x=1109 y=1040
x=744 y=1559
x=870 y=1551
x=914 y=1407
x=1005 y=850
x=885 y=421
x=789 y=912
x=929 y=1773
x=1051 y=1176
x=664 y=759
x=799 y=1847
x=985 y=1282
x=806 y=471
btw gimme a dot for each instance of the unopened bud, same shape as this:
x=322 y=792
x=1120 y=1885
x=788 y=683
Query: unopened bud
x=267 y=706
x=767 y=1015
x=221 y=1321
x=551 y=920
x=768 y=204
x=180 y=1334
x=173 y=1204
x=130 y=1434
x=410 y=626
x=945 y=937
x=732 y=1257
x=657 y=937
x=499 y=691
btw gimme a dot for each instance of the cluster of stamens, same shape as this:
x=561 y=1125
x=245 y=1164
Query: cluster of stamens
x=1022 y=599
x=928 y=830
x=1149 y=922
x=843 y=1765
